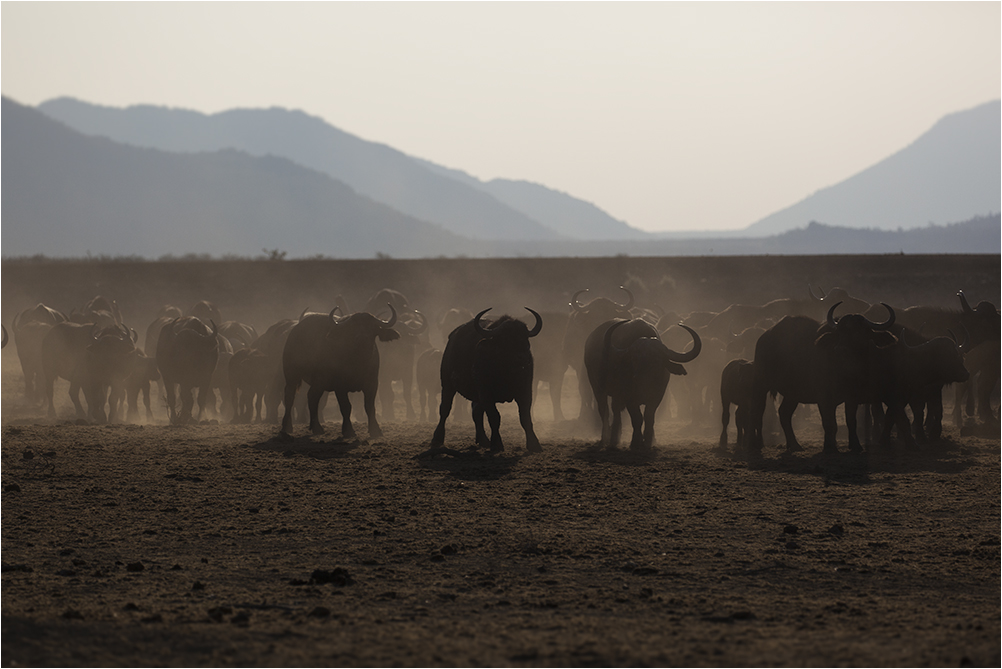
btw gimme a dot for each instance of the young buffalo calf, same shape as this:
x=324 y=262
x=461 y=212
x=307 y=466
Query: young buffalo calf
x=737 y=386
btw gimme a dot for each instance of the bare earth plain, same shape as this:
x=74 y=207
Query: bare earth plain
x=216 y=544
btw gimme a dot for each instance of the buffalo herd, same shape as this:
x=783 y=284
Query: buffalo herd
x=833 y=349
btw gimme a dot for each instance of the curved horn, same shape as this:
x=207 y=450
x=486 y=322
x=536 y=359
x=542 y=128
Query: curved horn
x=135 y=336
x=830 y=319
x=607 y=342
x=963 y=302
x=813 y=296
x=422 y=326
x=3 y=342
x=393 y=316
x=577 y=306
x=962 y=347
x=336 y=309
x=304 y=313
x=476 y=323
x=629 y=303
x=886 y=324
x=538 y=327
x=697 y=346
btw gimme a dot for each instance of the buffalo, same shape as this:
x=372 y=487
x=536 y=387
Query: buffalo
x=30 y=327
x=627 y=363
x=584 y=318
x=187 y=352
x=339 y=356
x=91 y=359
x=812 y=363
x=488 y=363
x=737 y=387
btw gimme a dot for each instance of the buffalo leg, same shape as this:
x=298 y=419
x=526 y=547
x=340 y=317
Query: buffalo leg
x=987 y=380
x=918 y=408
x=741 y=421
x=555 y=388
x=206 y=394
x=369 y=402
x=934 y=414
x=639 y=438
x=525 y=418
x=344 y=404
x=289 y=400
x=786 y=409
x=650 y=416
x=48 y=397
x=725 y=418
x=478 y=425
x=313 y=402
x=75 y=396
x=616 y=429
x=830 y=426
x=602 y=403
x=169 y=400
x=494 y=419
x=444 y=409
x=851 y=408
x=146 y=402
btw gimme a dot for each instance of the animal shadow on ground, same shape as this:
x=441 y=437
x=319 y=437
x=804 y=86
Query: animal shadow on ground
x=470 y=464
x=943 y=457
x=309 y=446
x=616 y=456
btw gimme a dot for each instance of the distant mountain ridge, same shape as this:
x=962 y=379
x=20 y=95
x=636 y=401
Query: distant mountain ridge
x=950 y=173
x=69 y=194
x=563 y=213
x=375 y=170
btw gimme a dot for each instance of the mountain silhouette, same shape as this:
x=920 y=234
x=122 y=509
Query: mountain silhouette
x=69 y=194
x=375 y=170
x=563 y=213
x=950 y=173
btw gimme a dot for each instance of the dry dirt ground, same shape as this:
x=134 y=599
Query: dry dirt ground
x=216 y=544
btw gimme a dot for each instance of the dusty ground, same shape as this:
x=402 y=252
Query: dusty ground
x=214 y=545
x=129 y=545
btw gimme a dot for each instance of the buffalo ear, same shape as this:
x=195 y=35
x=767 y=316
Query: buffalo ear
x=387 y=334
x=675 y=368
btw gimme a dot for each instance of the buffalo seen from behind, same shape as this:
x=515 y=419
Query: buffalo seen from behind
x=187 y=353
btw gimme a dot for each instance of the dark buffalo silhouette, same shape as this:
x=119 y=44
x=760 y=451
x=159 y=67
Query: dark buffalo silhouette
x=583 y=320
x=488 y=363
x=808 y=362
x=737 y=387
x=339 y=356
x=187 y=352
x=628 y=364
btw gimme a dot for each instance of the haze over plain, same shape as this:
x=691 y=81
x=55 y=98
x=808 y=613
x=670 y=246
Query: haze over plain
x=667 y=115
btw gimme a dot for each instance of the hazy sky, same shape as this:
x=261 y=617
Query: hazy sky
x=676 y=115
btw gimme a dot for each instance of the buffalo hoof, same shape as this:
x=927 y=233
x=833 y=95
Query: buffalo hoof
x=534 y=448
x=285 y=438
x=317 y=429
